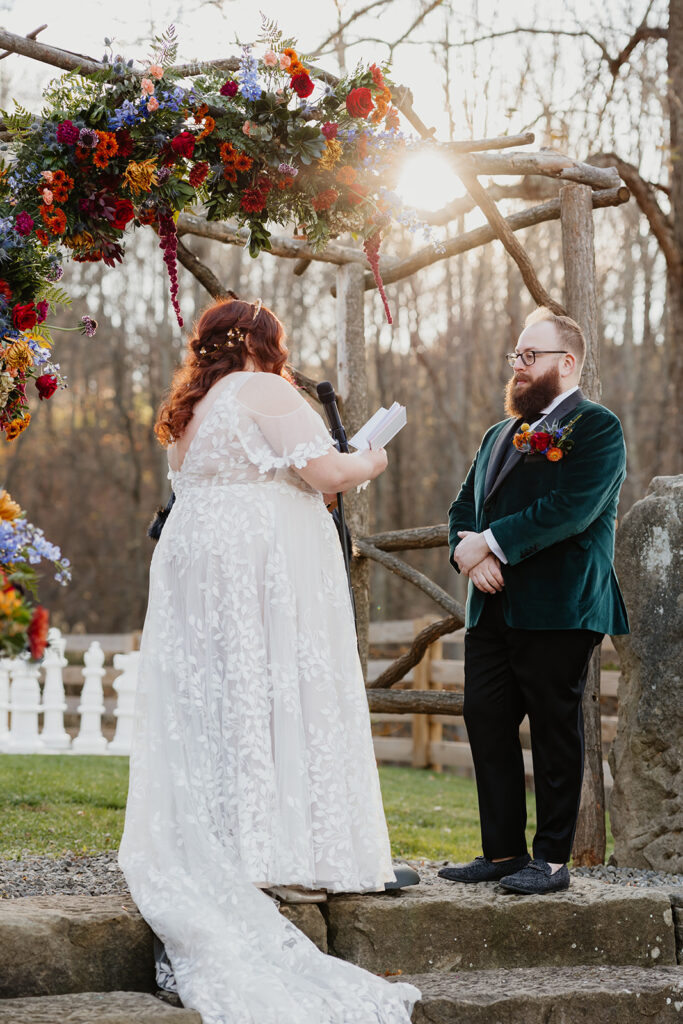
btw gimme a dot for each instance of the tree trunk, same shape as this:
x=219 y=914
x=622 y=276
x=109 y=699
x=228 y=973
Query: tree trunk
x=352 y=386
x=581 y=301
x=675 y=276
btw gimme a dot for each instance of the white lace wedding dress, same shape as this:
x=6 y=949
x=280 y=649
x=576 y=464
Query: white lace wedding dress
x=252 y=759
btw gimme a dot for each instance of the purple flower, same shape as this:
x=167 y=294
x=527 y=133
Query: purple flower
x=42 y=308
x=88 y=138
x=288 y=169
x=67 y=133
x=163 y=174
x=24 y=223
x=89 y=326
x=229 y=88
x=56 y=273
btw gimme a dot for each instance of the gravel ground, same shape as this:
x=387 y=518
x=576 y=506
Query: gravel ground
x=100 y=876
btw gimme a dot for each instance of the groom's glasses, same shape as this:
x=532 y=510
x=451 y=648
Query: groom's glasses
x=528 y=357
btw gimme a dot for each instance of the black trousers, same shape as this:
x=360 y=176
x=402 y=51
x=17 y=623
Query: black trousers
x=510 y=673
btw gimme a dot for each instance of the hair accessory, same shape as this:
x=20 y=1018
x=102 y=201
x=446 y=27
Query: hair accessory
x=234 y=337
x=257 y=307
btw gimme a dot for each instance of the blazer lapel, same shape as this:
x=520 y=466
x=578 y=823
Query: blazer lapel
x=506 y=465
x=498 y=453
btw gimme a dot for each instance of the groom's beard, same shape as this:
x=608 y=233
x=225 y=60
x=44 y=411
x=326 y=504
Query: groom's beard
x=525 y=400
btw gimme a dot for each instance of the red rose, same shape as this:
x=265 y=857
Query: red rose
x=47 y=385
x=539 y=441
x=359 y=102
x=24 y=318
x=37 y=632
x=183 y=144
x=302 y=85
x=123 y=212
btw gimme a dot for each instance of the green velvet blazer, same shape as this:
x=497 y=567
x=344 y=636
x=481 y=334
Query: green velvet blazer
x=554 y=521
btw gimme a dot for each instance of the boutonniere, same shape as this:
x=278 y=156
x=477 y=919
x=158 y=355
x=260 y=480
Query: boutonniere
x=553 y=442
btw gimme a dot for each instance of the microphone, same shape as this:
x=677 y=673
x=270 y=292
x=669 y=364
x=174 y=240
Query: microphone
x=329 y=400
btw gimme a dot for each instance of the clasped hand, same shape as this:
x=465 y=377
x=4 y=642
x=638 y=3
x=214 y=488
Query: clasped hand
x=476 y=560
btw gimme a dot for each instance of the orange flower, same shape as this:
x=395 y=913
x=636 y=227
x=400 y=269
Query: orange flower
x=17 y=426
x=209 y=125
x=201 y=113
x=346 y=175
x=284 y=183
x=554 y=454
x=55 y=220
x=42 y=237
x=392 y=121
x=243 y=162
x=100 y=159
x=82 y=153
x=228 y=153
x=229 y=173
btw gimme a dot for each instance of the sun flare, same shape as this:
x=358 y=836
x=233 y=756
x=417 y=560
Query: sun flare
x=428 y=182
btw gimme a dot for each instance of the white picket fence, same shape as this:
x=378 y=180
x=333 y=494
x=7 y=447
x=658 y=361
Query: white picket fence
x=22 y=703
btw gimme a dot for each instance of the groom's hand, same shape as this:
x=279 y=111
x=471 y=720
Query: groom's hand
x=470 y=551
x=487 y=575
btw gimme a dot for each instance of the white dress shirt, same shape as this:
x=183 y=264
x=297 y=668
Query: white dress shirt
x=488 y=535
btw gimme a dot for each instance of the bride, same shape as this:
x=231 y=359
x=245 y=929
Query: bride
x=252 y=763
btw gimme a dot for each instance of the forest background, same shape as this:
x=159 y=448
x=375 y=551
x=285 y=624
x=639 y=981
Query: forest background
x=587 y=80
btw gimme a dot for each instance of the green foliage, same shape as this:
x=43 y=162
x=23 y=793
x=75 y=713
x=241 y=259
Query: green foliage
x=271 y=36
x=259 y=238
x=19 y=120
x=306 y=143
x=55 y=295
x=167 y=44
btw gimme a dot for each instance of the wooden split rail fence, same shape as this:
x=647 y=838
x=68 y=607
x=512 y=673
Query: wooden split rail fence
x=439 y=740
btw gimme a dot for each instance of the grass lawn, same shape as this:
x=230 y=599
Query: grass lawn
x=53 y=804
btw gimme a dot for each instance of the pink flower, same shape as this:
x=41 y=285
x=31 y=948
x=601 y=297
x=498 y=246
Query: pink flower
x=285 y=61
x=156 y=71
x=152 y=104
x=330 y=129
x=246 y=127
x=269 y=59
x=47 y=175
x=229 y=88
x=47 y=197
x=42 y=309
x=147 y=86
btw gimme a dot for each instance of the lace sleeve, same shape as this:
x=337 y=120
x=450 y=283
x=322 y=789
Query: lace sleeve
x=278 y=428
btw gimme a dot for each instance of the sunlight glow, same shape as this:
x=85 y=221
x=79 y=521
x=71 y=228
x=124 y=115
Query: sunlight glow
x=428 y=182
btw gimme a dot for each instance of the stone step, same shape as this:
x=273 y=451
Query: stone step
x=573 y=995
x=63 y=944
x=450 y=927
x=94 y=1008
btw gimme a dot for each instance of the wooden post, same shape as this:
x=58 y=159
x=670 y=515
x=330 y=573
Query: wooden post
x=421 y=722
x=352 y=388
x=435 y=653
x=576 y=216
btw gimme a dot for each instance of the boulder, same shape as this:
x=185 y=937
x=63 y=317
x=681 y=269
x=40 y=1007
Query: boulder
x=646 y=804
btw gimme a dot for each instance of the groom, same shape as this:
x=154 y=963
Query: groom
x=534 y=533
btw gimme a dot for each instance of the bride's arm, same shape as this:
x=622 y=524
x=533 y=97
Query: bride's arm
x=337 y=472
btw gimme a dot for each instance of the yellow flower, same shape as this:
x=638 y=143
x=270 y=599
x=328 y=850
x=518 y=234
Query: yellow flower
x=17 y=426
x=333 y=152
x=83 y=240
x=18 y=356
x=140 y=177
x=8 y=508
x=524 y=428
x=10 y=601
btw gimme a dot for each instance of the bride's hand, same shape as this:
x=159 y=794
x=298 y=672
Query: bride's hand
x=378 y=461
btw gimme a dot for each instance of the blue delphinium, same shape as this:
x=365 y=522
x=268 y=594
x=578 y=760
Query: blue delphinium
x=247 y=75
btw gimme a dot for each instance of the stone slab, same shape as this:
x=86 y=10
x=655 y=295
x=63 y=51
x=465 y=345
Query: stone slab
x=452 y=927
x=55 y=944
x=94 y=1008
x=308 y=919
x=575 y=995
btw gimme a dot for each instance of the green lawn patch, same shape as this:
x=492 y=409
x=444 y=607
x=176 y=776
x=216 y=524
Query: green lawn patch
x=53 y=805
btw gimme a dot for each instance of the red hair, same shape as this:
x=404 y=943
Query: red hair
x=211 y=354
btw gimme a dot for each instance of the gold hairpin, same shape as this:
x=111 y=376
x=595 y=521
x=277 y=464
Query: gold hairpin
x=234 y=337
x=257 y=307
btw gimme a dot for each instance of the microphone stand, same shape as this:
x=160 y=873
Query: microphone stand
x=328 y=399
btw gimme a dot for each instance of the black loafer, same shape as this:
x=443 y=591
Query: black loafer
x=405 y=875
x=483 y=870
x=537 y=879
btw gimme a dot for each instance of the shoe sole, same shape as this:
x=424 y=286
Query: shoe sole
x=531 y=892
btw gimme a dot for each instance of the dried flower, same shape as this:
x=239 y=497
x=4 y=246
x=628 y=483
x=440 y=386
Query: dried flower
x=140 y=177
x=9 y=509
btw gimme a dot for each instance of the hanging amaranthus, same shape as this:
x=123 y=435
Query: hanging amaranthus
x=168 y=242
x=371 y=247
